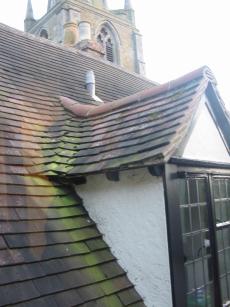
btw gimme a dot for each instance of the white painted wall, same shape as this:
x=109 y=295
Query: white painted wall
x=205 y=142
x=131 y=215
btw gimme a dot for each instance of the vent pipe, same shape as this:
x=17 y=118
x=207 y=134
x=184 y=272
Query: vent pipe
x=90 y=85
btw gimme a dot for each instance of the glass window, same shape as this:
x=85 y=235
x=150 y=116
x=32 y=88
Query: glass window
x=106 y=39
x=196 y=242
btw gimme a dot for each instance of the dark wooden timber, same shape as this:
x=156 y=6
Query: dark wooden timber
x=183 y=168
x=213 y=246
x=113 y=176
x=178 y=281
x=156 y=170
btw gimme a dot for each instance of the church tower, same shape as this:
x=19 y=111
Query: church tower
x=90 y=26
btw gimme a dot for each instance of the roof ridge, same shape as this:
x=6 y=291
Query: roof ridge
x=71 y=49
x=86 y=111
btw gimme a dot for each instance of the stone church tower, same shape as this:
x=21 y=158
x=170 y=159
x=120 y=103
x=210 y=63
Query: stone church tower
x=91 y=26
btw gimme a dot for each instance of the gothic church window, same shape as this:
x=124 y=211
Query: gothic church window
x=106 y=39
x=44 y=34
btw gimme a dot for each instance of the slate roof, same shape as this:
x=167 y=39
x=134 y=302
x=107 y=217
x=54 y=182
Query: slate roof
x=146 y=128
x=33 y=67
x=41 y=134
x=51 y=253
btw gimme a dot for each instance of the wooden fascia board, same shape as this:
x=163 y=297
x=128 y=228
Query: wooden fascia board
x=205 y=163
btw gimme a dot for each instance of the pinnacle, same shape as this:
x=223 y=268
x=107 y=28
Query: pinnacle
x=29 y=10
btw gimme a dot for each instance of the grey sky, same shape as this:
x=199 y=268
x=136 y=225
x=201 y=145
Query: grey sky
x=179 y=35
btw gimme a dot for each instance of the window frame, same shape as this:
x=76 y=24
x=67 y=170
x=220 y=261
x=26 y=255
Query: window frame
x=180 y=168
x=109 y=36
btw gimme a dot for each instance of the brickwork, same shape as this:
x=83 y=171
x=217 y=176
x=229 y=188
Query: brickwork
x=127 y=51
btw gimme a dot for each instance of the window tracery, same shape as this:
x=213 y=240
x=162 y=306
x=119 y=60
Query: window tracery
x=44 y=34
x=105 y=38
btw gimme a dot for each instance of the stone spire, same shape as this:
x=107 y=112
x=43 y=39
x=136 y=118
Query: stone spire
x=29 y=10
x=128 y=5
x=29 y=20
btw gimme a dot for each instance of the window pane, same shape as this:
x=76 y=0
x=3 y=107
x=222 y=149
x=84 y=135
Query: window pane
x=193 y=191
x=218 y=212
x=199 y=276
x=185 y=221
x=221 y=262
x=222 y=187
x=228 y=209
x=206 y=243
x=223 y=284
x=219 y=237
x=195 y=218
x=196 y=242
x=208 y=270
x=191 y=300
x=224 y=217
x=216 y=191
x=187 y=242
x=228 y=188
x=228 y=283
x=197 y=298
x=202 y=191
x=226 y=237
x=204 y=216
x=197 y=245
x=189 y=271
x=201 y=297
x=183 y=191
x=210 y=296
x=227 y=253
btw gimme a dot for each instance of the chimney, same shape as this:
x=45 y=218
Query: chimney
x=84 y=31
x=70 y=26
x=86 y=43
x=90 y=85
x=70 y=33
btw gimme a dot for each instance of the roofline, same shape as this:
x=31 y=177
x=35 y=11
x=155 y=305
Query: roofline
x=85 y=111
x=48 y=42
x=198 y=163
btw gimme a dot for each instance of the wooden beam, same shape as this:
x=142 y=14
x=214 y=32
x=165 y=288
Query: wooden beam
x=113 y=176
x=156 y=170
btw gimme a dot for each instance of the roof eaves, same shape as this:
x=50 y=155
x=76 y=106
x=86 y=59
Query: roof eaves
x=84 y=111
x=158 y=160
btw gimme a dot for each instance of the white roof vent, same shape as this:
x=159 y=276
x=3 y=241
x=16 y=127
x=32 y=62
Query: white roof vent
x=90 y=85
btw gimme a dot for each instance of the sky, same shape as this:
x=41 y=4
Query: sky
x=178 y=35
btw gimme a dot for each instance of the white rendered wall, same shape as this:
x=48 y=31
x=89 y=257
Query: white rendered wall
x=131 y=216
x=205 y=142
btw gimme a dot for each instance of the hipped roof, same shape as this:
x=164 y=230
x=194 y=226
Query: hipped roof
x=49 y=125
x=146 y=128
x=51 y=252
